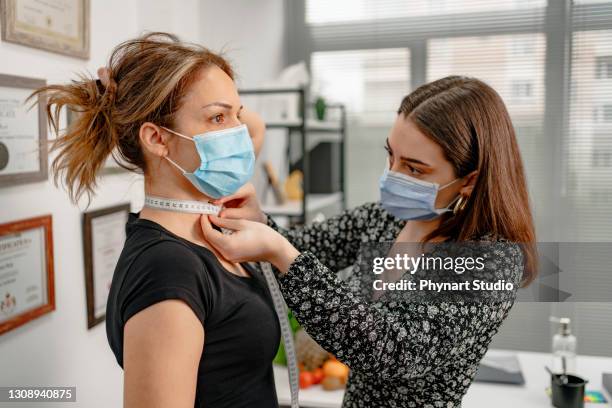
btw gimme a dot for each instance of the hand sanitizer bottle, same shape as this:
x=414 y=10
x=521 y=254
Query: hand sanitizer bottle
x=563 y=348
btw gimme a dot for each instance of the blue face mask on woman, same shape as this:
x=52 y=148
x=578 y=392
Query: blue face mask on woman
x=227 y=161
x=409 y=198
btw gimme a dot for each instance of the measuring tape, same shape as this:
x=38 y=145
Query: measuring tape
x=281 y=311
x=199 y=207
x=188 y=206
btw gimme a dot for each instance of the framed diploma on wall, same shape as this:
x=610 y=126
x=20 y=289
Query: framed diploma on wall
x=23 y=132
x=60 y=26
x=26 y=271
x=103 y=239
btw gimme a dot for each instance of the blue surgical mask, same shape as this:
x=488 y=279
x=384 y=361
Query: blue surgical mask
x=227 y=161
x=409 y=198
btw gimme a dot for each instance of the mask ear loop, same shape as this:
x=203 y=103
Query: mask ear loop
x=175 y=165
x=448 y=184
x=168 y=158
x=455 y=200
x=177 y=133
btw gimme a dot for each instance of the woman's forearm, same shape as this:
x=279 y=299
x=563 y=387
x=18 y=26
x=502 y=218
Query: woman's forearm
x=284 y=256
x=336 y=240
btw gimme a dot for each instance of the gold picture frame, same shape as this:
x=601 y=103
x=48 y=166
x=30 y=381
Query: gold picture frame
x=26 y=248
x=60 y=26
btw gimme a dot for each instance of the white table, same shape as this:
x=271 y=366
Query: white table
x=479 y=394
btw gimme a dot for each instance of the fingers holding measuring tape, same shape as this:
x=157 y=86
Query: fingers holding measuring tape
x=243 y=204
x=243 y=244
x=250 y=241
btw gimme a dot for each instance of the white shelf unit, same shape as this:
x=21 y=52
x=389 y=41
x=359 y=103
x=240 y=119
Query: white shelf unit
x=316 y=202
x=311 y=132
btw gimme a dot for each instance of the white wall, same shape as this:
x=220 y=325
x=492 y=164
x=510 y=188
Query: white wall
x=251 y=35
x=57 y=349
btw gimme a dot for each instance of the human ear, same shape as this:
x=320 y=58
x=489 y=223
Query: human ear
x=468 y=184
x=153 y=140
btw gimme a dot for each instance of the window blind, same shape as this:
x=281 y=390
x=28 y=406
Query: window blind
x=325 y=12
x=551 y=62
x=348 y=24
x=369 y=82
x=588 y=153
x=589 y=144
x=514 y=66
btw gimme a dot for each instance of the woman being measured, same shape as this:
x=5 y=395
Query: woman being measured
x=188 y=327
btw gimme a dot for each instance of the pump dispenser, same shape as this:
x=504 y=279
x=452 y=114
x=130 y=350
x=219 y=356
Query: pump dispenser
x=563 y=347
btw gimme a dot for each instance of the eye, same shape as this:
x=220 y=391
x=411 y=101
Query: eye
x=218 y=118
x=413 y=170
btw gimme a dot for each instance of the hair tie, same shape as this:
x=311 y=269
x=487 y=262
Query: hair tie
x=107 y=82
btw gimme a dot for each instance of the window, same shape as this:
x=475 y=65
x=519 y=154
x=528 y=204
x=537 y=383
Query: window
x=371 y=83
x=521 y=46
x=591 y=1
x=603 y=66
x=521 y=88
x=607 y=113
x=555 y=76
x=325 y=11
x=602 y=114
x=519 y=79
x=590 y=134
x=602 y=197
x=602 y=149
x=602 y=158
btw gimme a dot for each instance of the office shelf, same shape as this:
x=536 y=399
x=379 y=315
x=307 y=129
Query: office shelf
x=311 y=132
x=292 y=208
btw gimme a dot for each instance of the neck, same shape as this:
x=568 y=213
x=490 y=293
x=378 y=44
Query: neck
x=183 y=190
x=416 y=231
x=186 y=225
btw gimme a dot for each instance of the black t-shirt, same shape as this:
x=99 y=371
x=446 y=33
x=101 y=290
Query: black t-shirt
x=241 y=330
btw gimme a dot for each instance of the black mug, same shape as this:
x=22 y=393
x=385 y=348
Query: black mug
x=569 y=395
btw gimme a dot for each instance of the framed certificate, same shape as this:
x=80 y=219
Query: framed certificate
x=60 y=26
x=23 y=132
x=103 y=239
x=26 y=271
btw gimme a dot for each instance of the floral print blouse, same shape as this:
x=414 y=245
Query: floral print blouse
x=401 y=354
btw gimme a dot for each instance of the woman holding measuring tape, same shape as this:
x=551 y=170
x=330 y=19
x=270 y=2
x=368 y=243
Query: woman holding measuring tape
x=454 y=175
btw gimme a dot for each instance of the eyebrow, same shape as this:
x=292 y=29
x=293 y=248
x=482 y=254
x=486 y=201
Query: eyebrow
x=221 y=104
x=406 y=159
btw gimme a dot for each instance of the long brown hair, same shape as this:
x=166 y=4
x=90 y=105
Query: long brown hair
x=469 y=120
x=148 y=77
